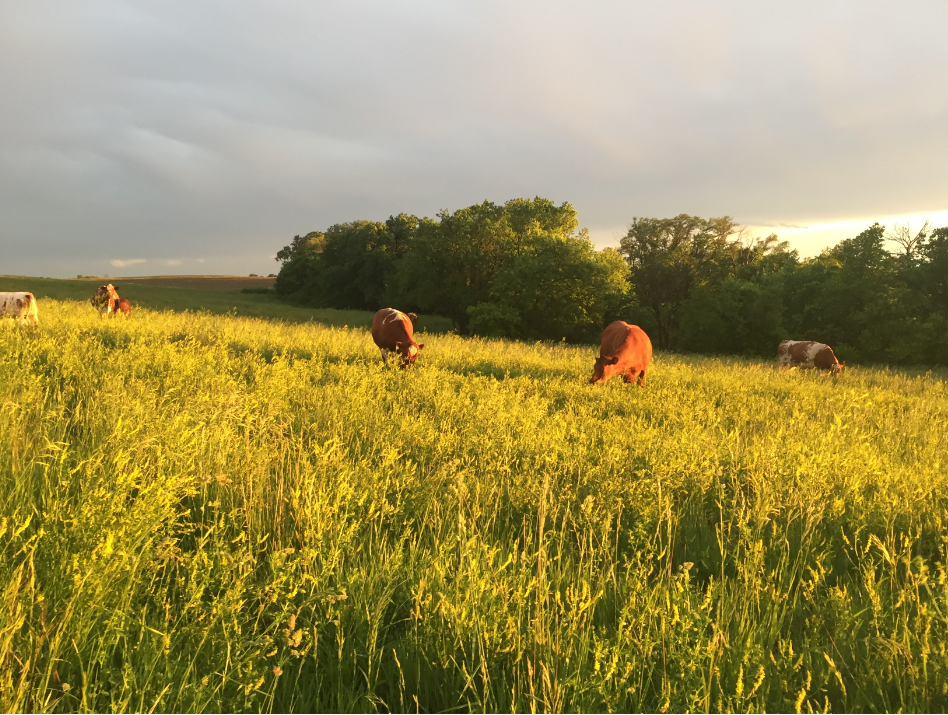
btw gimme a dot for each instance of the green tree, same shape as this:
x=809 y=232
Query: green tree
x=555 y=287
x=453 y=261
x=735 y=317
x=355 y=264
x=348 y=266
x=670 y=257
x=298 y=276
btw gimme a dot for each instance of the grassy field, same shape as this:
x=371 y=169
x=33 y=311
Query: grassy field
x=204 y=512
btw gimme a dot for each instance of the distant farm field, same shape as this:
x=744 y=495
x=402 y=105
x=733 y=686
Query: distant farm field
x=201 y=282
x=219 y=295
x=205 y=512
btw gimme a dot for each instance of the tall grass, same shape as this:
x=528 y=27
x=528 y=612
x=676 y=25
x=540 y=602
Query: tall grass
x=220 y=513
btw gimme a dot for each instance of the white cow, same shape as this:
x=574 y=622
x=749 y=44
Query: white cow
x=809 y=354
x=19 y=306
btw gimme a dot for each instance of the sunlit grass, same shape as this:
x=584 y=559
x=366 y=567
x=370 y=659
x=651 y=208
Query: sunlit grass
x=217 y=513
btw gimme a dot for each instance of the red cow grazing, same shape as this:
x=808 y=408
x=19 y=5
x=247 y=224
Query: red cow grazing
x=123 y=306
x=809 y=354
x=392 y=331
x=625 y=349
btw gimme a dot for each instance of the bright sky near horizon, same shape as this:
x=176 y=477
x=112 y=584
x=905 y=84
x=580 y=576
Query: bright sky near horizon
x=143 y=138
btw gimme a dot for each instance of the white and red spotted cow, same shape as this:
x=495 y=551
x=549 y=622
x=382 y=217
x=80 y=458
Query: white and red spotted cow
x=19 y=306
x=808 y=354
x=392 y=331
x=625 y=349
x=104 y=300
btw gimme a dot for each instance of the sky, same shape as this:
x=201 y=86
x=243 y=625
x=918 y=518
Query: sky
x=151 y=138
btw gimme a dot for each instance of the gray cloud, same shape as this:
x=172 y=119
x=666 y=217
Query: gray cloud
x=184 y=131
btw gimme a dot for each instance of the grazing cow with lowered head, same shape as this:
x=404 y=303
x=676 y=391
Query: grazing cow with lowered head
x=19 y=306
x=625 y=349
x=808 y=354
x=392 y=331
x=104 y=299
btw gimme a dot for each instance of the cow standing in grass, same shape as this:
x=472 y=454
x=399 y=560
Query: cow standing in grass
x=19 y=306
x=625 y=350
x=104 y=300
x=809 y=354
x=392 y=331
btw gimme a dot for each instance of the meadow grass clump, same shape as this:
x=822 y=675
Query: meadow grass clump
x=205 y=512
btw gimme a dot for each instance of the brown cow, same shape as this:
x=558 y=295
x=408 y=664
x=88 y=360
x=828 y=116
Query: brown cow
x=392 y=331
x=625 y=349
x=809 y=354
x=123 y=306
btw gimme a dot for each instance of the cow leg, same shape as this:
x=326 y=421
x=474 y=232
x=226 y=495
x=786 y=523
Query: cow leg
x=642 y=379
x=629 y=376
x=384 y=356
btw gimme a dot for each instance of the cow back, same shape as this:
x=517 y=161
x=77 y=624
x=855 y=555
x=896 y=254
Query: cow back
x=627 y=342
x=391 y=326
x=19 y=305
x=806 y=354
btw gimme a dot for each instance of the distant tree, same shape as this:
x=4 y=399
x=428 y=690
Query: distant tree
x=401 y=231
x=907 y=240
x=356 y=262
x=755 y=259
x=453 y=261
x=853 y=296
x=348 y=266
x=555 y=287
x=735 y=317
x=299 y=274
x=670 y=257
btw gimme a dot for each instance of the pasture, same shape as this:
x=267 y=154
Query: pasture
x=216 y=512
x=218 y=295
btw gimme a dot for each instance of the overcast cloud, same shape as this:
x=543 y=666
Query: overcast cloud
x=199 y=137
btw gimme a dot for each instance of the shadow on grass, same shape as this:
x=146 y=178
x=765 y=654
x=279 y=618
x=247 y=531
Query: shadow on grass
x=509 y=369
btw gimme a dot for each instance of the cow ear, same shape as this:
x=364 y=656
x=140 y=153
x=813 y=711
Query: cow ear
x=613 y=361
x=421 y=346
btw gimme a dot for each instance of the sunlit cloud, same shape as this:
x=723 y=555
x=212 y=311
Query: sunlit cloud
x=936 y=218
x=812 y=239
x=118 y=263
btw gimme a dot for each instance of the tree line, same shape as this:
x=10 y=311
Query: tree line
x=524 y=269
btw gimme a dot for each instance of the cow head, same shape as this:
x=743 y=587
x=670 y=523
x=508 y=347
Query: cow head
x=838 y=368
x=409 y=352
x=599 y=369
